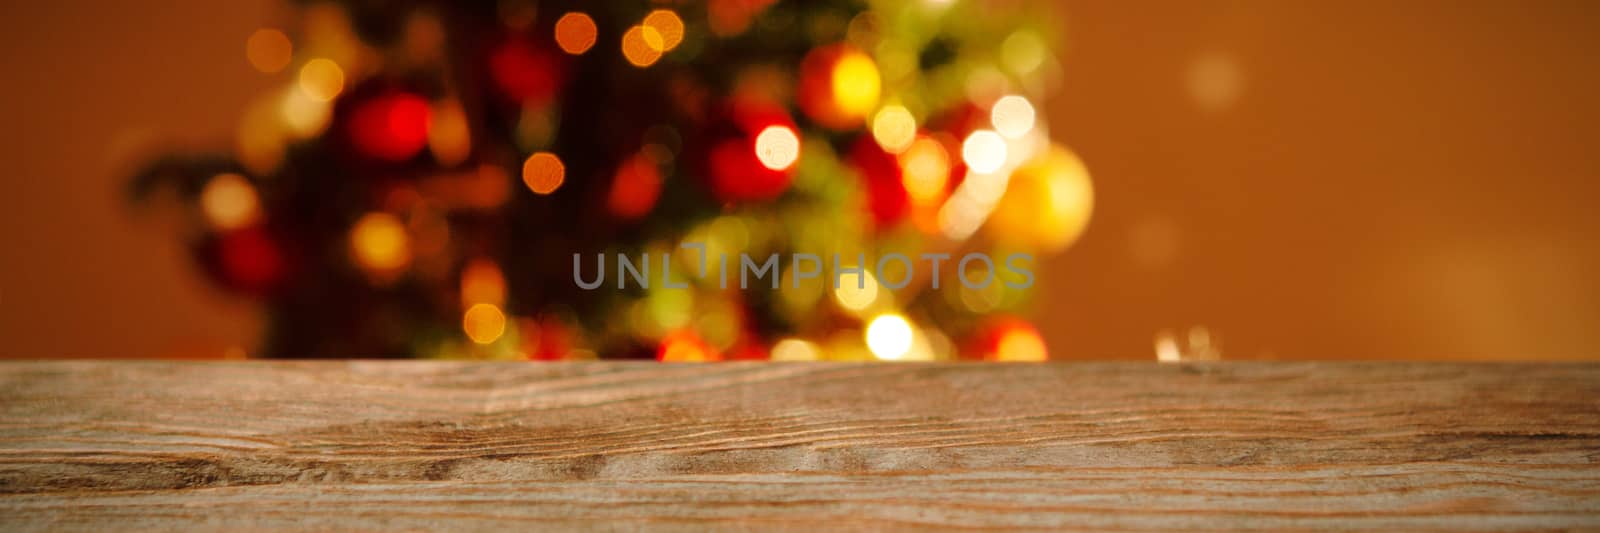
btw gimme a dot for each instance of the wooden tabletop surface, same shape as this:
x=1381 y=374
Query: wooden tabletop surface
x=429 y=445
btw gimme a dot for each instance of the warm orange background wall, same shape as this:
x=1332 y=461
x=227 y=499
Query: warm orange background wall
x=1326 y=179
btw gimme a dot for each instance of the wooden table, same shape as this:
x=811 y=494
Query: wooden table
x=407 y=445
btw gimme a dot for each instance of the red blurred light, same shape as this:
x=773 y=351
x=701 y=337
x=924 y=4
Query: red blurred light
x=391 y=127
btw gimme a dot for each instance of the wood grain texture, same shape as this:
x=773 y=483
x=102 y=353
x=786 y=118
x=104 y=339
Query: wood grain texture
x=430 y=445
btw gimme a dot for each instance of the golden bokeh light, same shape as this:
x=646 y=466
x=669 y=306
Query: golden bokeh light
x=685 y=347
x=449 y=135
x=268 y=50
x=321 y=79
x=303 y=116
x=856 y=297
x=778 y=147
x=894 y=128
x=229 y=202
x=482 y=282
x=795 y=350
x=1021 y=344
x=543 y=172
x=642 y=46
x=667 y=25
x=1012 y=116
x=483 y=323
x=1047 y=203
x=926 y=167
x=575 y=33
x=379 y=243
x=1023 y=52
x=856 y=85
x=984 y=151
x=889 y=337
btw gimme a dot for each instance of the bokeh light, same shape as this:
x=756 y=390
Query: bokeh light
x=575 y=33
x=482 y=282
x=684 y=347
x=1020 y=342
x=449 y=136
x=321 y=79
x=795 y=350
x=1047 y=202
x=1215 y=81
x=303 y=116
x=1012 y=116
x=894 y=128
x=856 y=84
x=391 y=127
x=483 y=323
x=926 y=167
x=778 y=147
x=856 y=297
x=1023 y=52
x=543 y=172
x=229 y=202
x=667 y=25
x=889 y=337
x=268 y=50
x=379 y=243
x=642 y=46
x=984 y=151
x=635 y=188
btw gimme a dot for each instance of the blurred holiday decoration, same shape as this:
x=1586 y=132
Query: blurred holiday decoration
x=422 y=179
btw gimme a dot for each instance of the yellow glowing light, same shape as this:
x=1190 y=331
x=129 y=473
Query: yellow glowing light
x=482 y=283
x=229 y=202
x=1012 y=116
x=856 y=84
x=321 y=79
x=778 y=147
x=857 y=298
x=642 y=46
x=268 y=50
x=667 y=25
x=304 y=116
x=1047 y=203
x=483 y=323
x=889 y=337
x=1021 y=344
x=543 y=172
x=449 y=136
x=380 y=244
x=984 y=151
x=795 y=350
x=575 y=33
x=894 y=128
x=927 y=170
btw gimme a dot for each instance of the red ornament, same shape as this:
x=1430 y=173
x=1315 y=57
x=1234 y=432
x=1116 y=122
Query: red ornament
x=524 y=73
x=390 y=126
x=887 y=198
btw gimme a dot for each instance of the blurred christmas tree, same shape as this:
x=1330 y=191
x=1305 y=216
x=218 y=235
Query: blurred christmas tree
x=421 y=182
